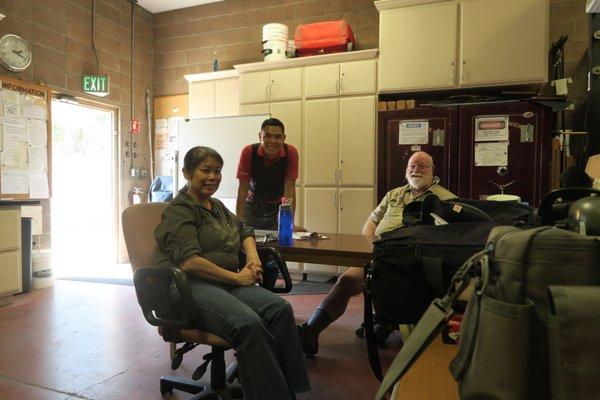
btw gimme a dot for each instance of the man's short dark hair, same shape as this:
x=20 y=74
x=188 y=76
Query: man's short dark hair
x=272 y=122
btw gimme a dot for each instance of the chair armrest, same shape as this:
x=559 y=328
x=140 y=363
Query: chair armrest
x=263 y=253
x=153 y=290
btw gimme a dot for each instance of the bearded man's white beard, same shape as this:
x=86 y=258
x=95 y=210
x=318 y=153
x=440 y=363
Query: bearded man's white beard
x=418 y=181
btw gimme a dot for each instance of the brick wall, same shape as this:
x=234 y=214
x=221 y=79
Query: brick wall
x=59 y=33
x=185 y=40
x=568 y=17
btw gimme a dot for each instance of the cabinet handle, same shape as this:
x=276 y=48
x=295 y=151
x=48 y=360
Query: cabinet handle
x=452 y=73
x=463 y=72
x=335 y=199
x=337 y=86
x=341 y=202
x=267 y=86
x=340 y=176
x=341 y=85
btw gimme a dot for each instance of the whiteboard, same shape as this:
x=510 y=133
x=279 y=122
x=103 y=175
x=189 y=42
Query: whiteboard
x=227 y=135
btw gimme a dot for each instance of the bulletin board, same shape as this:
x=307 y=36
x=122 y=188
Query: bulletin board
x=25 y=140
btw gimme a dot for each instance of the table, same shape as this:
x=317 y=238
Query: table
x=340 y=249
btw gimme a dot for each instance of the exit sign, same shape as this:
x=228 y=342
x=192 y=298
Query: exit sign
x=95 y=84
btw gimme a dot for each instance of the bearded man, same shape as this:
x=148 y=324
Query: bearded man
x=386 y=217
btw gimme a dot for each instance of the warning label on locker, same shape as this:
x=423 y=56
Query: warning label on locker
x=491 y=129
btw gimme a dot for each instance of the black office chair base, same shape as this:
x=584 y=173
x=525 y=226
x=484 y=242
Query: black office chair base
x=200 y=390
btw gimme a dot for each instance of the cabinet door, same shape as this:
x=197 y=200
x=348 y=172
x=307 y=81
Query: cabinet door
x=417 y=47
x=321 y=132
x=321 y=80
x=358 y=77
x=227 y=97
x=202 y=99
x=254 y=87
x=10 y=228
x=355 y=207
x=512 y=49
x=10 y=281
x=320 y=215
x=286 y=84
x=254 y=109
x=357 y=140
x=290 y=113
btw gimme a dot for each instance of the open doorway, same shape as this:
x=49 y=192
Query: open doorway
x=84 y=195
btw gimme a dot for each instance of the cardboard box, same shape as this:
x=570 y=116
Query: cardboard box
x=593 y=166
x=382 y=106
x=400 y=104
x=391 y=105
x=410 y=104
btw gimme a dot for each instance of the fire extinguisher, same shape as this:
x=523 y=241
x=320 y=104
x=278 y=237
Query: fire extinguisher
x=135 y=195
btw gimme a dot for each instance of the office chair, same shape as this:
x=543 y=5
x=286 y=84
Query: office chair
x=174 y=320
x=554 y=206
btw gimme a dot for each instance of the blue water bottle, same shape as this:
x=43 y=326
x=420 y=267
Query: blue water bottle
x=286 y=224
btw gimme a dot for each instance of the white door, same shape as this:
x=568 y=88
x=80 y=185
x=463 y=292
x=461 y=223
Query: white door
x=290 y=113
x=320 y=215
x=321 y=80
x=321 y=141
x=321 y=209
x=512 y=49
x=254 y=109
x=227 y=97
x=286 y=84
x=358 y=77
x=356 y=204
x=254 y=87
x=417 y=47
x=357 y=140
x=202 y=99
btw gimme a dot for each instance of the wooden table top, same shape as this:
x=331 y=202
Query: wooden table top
x=340 y=249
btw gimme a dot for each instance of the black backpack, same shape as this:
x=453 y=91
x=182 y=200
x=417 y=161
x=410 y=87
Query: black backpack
x=411 y=266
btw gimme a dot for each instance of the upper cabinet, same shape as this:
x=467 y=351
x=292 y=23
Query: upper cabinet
x=275 y=85
x=213 y=94
x=437 y=44
x=355 y=77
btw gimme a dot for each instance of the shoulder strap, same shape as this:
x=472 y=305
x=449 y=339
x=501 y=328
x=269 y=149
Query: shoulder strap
x=429 y=326
x=368 y=323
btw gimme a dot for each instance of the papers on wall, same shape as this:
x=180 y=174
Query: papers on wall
x=23 y=144
x=491 y=129
x=37 y=133
x=413 y=132
x=491 y=154
x=38 y=185
x=14 y=156
x=14 y=182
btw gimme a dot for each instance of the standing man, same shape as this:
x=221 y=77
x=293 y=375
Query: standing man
x=386 y=217
x=267 y=171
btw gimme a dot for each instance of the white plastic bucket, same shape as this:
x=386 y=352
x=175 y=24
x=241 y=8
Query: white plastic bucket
x=275 y=50
x=41 y=269
x=275 y=30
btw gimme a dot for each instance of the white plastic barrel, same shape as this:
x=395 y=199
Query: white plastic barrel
x=275 y=50
x=41 y=269
x=275 y=41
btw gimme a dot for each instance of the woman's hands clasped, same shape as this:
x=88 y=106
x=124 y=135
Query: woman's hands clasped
x=252 y=271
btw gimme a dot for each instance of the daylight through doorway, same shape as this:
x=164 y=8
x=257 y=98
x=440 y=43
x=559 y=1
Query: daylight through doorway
x=83 y=195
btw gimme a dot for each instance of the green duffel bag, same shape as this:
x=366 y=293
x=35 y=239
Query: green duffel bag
x=505 y=352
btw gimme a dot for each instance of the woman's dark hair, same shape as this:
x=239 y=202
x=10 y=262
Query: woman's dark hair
x=272 y=122
x=197 y=155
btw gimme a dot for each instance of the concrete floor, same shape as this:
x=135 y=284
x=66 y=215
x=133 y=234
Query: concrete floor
x=80 y=340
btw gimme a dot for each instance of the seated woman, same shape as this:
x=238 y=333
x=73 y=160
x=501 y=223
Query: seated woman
x=200 y=236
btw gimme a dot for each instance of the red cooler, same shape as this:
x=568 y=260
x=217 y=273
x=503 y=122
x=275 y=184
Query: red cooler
x=323 y=38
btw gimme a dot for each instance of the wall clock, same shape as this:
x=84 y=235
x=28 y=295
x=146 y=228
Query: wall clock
x=15 y=53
